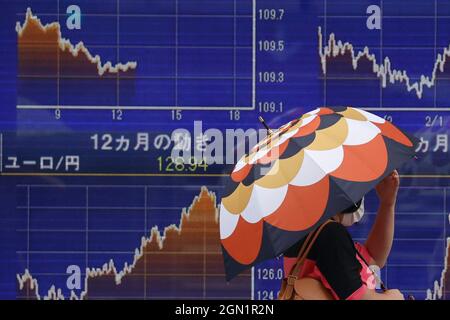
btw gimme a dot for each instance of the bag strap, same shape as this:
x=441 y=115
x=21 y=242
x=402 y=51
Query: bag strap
x=305 y=245
x=303 y=253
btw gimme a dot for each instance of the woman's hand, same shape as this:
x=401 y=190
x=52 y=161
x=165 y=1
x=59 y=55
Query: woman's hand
x=387 y=189
x=394 y=294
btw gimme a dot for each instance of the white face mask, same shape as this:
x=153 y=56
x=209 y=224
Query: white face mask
x=349 y=219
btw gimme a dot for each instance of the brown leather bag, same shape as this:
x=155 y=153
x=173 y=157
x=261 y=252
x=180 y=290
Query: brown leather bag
x=293 y=288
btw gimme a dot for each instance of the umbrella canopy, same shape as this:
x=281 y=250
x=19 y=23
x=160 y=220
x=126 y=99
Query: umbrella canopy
x=302 y=174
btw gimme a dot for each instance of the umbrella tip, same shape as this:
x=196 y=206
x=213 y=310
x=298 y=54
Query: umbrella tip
x=263 y=122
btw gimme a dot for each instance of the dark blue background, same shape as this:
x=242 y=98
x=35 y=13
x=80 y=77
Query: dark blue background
x=412 y=36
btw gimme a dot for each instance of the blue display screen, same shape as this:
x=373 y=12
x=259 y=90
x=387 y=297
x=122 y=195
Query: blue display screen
x=96 y=95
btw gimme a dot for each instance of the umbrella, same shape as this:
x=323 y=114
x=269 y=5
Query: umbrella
x=302 y=174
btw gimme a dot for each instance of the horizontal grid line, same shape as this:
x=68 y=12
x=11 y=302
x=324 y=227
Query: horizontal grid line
x=424 y=47
x=192 y=186
x=120 y=252
x=397 y=265
x=97 y=208
x=162 y=15
x=153 y=274
x=84 y=274
x=131 y=77
x=209 y=108
x=137 y=46
x=181 y=207
x=152 y=298
x=81 y=208
x=431 y=17
x=146 y=231
x=374 y=78
x=82 y=230
x=115 y=107
x=106 y=186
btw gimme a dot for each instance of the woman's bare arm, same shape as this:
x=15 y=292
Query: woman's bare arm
x=379 y=241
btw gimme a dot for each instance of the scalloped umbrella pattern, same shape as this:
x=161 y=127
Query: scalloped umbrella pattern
x=300 y=175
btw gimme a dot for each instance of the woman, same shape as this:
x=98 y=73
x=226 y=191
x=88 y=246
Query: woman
x=333 y=259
